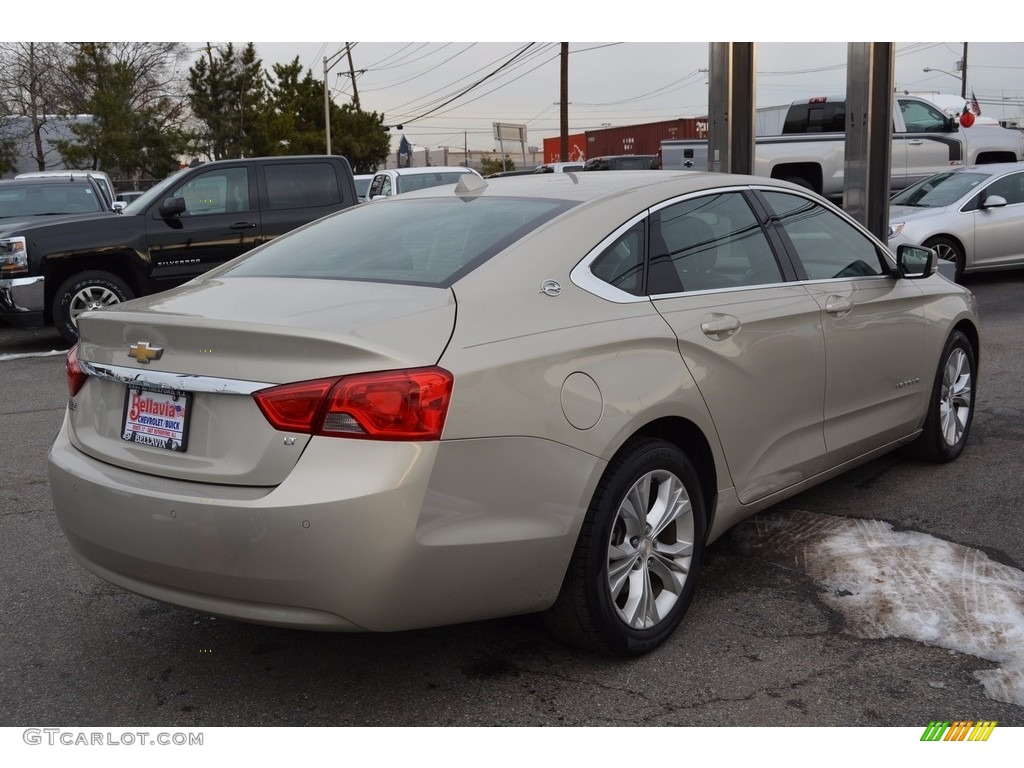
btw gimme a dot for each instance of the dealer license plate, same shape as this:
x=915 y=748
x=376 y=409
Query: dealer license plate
x=156 y=418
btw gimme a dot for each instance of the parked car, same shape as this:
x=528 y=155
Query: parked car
x=559 y=167
x=395 y=181
x=101 y=178
x=128 y=196
x=362 y=185
x=971 y=216
x=545 y=394
x=25 y=200
x=52 y=271
x=622 y=163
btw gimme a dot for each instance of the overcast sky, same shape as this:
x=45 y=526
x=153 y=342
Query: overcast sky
x=629 y=80
x=616 y=83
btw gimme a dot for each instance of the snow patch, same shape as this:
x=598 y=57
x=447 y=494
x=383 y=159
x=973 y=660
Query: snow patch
x=906 y=584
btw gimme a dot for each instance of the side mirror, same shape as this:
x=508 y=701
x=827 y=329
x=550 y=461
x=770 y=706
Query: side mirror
x=118 y=205
x=993 y=201
x=172 y=206
x=916 y=262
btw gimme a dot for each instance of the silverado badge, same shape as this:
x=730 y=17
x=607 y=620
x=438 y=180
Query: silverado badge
x=142 y=352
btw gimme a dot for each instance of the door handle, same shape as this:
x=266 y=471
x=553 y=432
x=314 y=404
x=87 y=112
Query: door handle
x=915 y=142
x=837 y=305
x=719 y=326
x=243 y=225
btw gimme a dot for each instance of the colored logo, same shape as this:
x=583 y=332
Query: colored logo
x=142 y=352
x=958 y=730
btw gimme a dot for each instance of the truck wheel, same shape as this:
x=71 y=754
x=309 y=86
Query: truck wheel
x=948 y=249
x=87 y=290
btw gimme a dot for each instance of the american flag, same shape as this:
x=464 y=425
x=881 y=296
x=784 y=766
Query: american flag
x=975 y=106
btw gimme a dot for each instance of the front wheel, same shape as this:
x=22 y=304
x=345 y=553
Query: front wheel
x=951 y=407
x=635 y=567
x=948 y=249
x=93 y=289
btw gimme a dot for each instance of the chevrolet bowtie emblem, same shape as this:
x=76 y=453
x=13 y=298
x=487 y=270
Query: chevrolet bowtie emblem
x=142 y=352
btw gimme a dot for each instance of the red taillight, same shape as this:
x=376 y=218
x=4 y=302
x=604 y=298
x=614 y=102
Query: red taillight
x=76 y=377
x=389 y=405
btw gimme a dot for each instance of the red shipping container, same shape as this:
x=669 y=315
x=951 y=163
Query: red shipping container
x=643 y=139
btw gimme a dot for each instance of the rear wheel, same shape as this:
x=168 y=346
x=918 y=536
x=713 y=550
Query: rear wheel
x=635 y=567
x=948 y=249
x=951 y=408
x=93 y=289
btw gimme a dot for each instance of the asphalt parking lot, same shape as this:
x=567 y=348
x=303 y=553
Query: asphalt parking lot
x=763 y=644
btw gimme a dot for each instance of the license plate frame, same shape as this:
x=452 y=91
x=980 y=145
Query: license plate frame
x=158 y=418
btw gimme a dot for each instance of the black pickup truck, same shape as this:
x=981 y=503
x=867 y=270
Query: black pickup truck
x=52 y=271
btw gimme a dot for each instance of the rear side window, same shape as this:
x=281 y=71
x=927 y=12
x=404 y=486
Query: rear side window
x=709 y=243
x=817 y=117
x=420 y=242
x=301 y=185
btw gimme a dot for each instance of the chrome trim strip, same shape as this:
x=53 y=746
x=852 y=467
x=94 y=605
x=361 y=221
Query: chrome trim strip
x=168 y=382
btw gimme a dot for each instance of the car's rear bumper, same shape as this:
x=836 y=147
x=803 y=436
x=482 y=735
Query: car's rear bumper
x=361 y=536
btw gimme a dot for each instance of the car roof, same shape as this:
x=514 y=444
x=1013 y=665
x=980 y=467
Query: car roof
x=649 y=187
x=992 y=169
x=63 y=178
x=428 y=169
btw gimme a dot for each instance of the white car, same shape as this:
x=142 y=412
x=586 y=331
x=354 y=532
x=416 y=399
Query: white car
x=362 y=181
x=970 y=216
x=394 y=181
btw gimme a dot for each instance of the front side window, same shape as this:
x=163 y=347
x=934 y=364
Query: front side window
x=1011 y=188
x=221 y=191
x=921 y=118
x=828 y=246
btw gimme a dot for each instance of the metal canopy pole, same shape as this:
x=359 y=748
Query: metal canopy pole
x=731 y=107
x=868 y=164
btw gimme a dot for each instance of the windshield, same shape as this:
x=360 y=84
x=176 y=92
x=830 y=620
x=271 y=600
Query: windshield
x=49 y=199
x=140 y=204
x=939 y=190
x=428 y=241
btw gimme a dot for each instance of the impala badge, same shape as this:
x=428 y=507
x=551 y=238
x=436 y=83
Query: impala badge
x=142 y=352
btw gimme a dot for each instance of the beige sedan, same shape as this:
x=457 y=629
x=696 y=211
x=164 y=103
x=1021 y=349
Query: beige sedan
x=545 y=395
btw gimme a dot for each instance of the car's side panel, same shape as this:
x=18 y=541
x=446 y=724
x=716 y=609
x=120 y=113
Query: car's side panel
x=764 y=340
x=878 y=366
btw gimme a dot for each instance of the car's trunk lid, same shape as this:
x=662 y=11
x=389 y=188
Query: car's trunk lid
x=219 y=340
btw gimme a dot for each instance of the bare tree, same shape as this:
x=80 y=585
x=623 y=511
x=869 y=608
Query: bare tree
x=30 y=96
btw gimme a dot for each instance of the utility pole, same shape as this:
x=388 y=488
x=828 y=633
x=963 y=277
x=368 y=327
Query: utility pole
x=963 y=74
x=564 y=108
x=352 y=74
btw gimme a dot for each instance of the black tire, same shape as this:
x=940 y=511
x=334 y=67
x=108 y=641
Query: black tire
x=951 y=406
x=86 y=290
x=618 y=554
x=948 y=249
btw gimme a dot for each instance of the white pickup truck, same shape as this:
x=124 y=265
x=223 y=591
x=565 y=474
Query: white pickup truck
x=811 y=151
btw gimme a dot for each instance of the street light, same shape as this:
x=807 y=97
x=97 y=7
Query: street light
x=962 y=77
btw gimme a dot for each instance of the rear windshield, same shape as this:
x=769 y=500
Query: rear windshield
x=431 y=241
